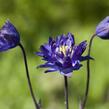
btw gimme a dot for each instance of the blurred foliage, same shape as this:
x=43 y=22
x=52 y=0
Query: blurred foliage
x=36 y=20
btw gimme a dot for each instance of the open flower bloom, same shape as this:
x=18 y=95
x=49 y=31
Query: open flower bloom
x=61 y=54
x=9 y=37
x=102 y=29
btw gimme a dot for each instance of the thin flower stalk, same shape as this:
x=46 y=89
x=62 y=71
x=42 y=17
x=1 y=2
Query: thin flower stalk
x=66 y=92
x=102 y=31
x=28 y=77
x=83 y=104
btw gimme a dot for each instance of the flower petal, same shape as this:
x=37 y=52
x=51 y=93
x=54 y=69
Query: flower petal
x=70 y=41
x=83 y=58
x=39 y=54
x=79 y=50
x=51 y=70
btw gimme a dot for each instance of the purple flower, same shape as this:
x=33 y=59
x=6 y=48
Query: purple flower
x=9 y=37
x=61 y=54
x=102 y=30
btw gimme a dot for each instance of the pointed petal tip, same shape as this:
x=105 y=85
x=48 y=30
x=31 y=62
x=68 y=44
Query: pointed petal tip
x=7 y=22
x=70 y=35
x=92 y=58
x=50 y=70
x=46 y=71
x=37 y=67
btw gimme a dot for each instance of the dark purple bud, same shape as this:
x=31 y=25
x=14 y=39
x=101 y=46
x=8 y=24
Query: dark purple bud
x=9 y=36
x=102 y=29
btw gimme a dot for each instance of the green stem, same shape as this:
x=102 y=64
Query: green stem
x=88 y=74
x=66 y=92
x=28 y=77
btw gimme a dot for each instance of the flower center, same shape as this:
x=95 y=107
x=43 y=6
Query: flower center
x=63 y=49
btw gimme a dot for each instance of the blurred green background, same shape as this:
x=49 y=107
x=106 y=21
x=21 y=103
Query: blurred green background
x=36 y=20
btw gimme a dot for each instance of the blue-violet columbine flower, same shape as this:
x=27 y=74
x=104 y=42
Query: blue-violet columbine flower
x=102 y=29
x=9 y=37
x=62 y=54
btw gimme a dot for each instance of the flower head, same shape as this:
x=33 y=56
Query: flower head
x=9 y=37
x=102 y=29
x=61 y=54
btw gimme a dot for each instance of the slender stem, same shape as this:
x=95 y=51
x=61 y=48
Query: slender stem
x=88 y=74
x=28 y=77
x=88 y=70
x=66 y=92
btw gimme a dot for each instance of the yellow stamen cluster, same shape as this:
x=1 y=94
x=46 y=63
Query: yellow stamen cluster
x=63 y=49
